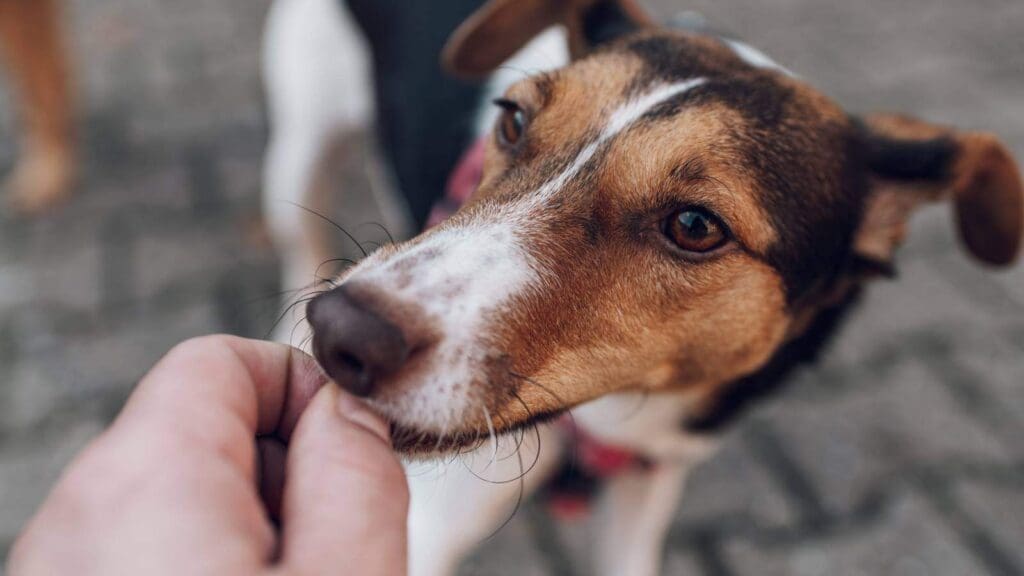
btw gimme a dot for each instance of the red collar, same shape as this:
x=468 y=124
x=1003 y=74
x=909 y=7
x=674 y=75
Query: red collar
x=597 y=458
x=590 y=463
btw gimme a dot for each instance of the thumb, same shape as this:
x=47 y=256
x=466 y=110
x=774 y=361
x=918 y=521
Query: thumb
x=345 y=495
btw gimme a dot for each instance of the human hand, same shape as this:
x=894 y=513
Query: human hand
x=210 y=469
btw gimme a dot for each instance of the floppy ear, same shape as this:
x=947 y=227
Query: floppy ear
x=912 y=162
x=501 y=27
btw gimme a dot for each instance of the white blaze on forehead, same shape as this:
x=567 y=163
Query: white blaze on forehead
x=755 y=57
x=622 y=118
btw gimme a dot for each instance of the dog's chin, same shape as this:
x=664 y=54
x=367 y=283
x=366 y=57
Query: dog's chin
x=416 y=444
x=419 y=445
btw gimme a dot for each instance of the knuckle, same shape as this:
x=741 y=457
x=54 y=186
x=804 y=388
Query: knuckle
x=199 y=345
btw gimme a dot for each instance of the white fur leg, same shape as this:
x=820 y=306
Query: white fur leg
x=636 y=508
x=318 y=84
x=455 y=505
x=635 y=513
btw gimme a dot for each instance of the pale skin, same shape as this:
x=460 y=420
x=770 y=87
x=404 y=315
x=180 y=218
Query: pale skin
x=231 y=457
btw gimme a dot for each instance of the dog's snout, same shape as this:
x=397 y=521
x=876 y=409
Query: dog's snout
x=354 y=344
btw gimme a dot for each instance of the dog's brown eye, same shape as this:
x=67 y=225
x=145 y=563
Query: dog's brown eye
x=695 y=230
x=511 y=123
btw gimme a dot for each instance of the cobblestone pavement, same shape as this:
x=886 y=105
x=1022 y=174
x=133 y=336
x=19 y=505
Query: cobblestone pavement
x=901 y=453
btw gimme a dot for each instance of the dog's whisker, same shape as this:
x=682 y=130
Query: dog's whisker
x=493 y=436
x=572 y=418
x=536 y=429
x=348 y=261
x=516 y=435
x=519 y=496
x=644 y=395
x=291 y=335
x=332 y=223
x=391 y=239
x=288 y=309
x=442 y=436
x=276 y=295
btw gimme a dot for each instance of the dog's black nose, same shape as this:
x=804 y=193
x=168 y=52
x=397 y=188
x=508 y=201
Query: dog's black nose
x=354 y=344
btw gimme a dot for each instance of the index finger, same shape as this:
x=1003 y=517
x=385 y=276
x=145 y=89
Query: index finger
x=225 y=390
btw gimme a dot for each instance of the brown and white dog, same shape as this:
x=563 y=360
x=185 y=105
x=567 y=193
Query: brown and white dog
x=670 y=216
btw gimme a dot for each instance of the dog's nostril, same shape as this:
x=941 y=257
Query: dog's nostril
x=352 y=374
x=354 y=345
x=349 y=361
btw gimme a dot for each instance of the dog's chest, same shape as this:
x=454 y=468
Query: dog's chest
x=649 y=424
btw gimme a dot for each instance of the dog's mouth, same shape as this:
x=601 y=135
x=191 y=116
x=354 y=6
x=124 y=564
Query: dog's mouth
x=410 y=441
x=413 y=442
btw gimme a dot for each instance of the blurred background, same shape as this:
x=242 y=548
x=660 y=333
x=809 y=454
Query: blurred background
x=901 y=453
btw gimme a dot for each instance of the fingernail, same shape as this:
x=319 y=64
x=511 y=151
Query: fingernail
x=356 y=412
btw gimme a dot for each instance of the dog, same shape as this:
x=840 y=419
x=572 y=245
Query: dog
x=33 y=48
x=661 y=231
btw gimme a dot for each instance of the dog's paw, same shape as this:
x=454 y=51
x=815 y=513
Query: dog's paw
x=40 y=181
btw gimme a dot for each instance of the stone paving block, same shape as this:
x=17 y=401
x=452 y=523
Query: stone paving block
x=62 y=370
x=29 y=395
x=932 y=232
x=920 y=300
x=515 y=551
x=197 y=259
x=178 y=69
x=54 y=259
x=90 y=364
x=856 y=447
x=241 y=173
x=994 y=290
x=16 y=288
x=733 y=487
x=999 y=507
x=510 y=553
x=680 y=563
x=1004 y=377
x=908 y=539
x=158 y=183
x=70 y=278
x=47 y=237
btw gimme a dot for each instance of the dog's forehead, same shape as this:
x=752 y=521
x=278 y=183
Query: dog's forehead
x=787 y=153
x=785 y=145
x=627 y=68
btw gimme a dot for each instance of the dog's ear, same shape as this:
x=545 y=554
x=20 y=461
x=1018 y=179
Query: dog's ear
x=501 y=27
x=912 y=162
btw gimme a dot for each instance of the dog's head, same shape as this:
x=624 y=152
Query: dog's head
x=663 y=214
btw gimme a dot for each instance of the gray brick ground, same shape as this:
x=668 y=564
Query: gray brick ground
x=899 y=454
x=855 y=447
x=906 y=539
x=513 y=554
x=736 y=488
x=999 y=504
